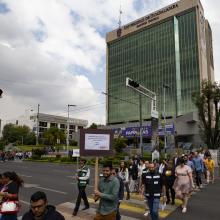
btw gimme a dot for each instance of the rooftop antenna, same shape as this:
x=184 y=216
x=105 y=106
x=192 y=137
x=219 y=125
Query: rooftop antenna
x=119 y=23
x=119 y=20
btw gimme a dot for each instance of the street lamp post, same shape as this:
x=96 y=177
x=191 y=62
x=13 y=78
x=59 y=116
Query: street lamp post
x=165 y=86
x=67 y=136
x=37 y=137
x=141 y=129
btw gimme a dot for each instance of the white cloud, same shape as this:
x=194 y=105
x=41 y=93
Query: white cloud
x=52 y=52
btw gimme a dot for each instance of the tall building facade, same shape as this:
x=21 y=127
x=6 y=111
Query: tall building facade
x=171 y=46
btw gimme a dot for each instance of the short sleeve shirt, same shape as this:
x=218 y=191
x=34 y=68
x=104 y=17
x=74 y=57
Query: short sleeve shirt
x=11 y=188
x=182 y=173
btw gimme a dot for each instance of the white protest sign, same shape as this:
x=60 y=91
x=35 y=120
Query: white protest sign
x=97 y=141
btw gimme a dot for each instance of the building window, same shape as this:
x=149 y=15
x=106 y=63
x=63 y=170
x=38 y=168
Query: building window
x=62 y=126
x=52 y=125
x=42 y=129
x=43 y=124
x=80 y=127
x=72 y=127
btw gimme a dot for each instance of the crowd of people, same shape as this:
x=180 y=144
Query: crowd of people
x=159 y=183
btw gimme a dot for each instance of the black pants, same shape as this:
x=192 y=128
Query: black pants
x=118 y=215
x=127 y=189
x=81 y=195
x=172 y=192
x=198 y=177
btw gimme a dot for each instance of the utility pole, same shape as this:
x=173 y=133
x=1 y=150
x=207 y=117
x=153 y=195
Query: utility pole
x=38 y=110
x=67 y=136
x=141 y=130
x=165 y=86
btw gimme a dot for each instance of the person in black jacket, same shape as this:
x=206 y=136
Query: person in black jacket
x=120 y=192
x=133 y=173
x=154 y=189
x=169 y=178
x=40 y=210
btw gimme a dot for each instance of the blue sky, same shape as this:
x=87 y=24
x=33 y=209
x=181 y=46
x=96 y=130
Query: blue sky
x=53 y=52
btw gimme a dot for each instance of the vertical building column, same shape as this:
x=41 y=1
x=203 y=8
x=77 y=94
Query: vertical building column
x=177 y=60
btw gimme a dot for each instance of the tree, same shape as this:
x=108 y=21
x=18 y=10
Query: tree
x=93 y=125
x=207 y=102
x=53 y=135
x=18 y=134
x=119 y=144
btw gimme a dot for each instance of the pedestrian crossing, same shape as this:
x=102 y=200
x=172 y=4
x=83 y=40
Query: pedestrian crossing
x=132 y=209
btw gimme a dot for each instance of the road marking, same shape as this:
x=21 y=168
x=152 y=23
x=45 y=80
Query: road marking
x=72 y=177
x=26 y=203
x=52 y=190
x=29 y=185
x=25 y=175
x=60 y=171
x=86 y=186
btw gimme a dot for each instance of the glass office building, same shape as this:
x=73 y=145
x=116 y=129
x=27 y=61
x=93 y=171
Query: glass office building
x=165 y=47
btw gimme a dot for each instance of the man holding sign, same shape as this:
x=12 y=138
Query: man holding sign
x=107 y=193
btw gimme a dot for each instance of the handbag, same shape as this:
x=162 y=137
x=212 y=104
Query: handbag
x=9 y=207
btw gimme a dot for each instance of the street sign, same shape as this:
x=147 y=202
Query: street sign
x=154 y=114
x=75 y=153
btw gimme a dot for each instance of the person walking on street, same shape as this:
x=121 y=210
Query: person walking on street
x=210 y=164
x=124 y=174
x=143 y=177
x=107 y=194
x=169 y=178
x=83 y=175
x=154 y=188
x=133 y=173
x=115 y=172
x=40 y=210
x=183 y=184
x=199 y=166
x=9 y=192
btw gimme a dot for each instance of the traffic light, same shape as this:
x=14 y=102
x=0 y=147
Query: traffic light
x=1 y=93
x=132 y=83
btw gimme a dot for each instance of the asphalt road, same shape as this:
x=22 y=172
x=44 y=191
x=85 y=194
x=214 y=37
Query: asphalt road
x=204 y=205
x=56 y=180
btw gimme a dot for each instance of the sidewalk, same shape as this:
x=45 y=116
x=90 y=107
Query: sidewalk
x=204 y=205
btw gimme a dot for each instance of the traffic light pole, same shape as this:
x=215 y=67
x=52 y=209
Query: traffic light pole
x=148 y=93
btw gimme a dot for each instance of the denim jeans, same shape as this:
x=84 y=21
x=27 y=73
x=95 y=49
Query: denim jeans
x=9 y=217
x=153 y=204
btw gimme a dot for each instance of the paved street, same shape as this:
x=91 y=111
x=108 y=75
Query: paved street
x=57 y=181
x=204 y=205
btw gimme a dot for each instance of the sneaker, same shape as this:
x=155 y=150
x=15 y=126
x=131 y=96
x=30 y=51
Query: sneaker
x=74 y=213
x=146 y=213
x=184 y=210
x=86 y=207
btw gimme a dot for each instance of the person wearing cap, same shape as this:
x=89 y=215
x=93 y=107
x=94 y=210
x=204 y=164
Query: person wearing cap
x=83 y=175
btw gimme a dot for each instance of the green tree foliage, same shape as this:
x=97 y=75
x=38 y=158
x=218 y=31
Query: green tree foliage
x=18 y=134
x=54 y=135
x=208 y=105
x=119 y=144
x=93 y=125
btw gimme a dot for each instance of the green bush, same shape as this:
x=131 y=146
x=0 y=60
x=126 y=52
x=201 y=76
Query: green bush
x=37 y=153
